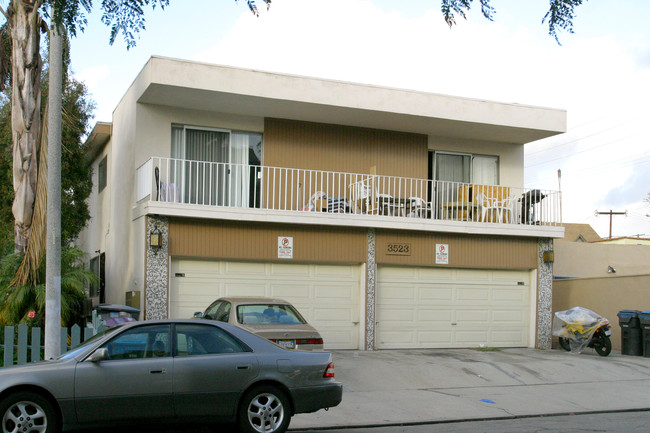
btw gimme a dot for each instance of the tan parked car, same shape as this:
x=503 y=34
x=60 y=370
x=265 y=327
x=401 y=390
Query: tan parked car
x=273 y=319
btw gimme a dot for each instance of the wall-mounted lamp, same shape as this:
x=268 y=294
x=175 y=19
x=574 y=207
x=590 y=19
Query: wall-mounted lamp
x=155 y=239
x=549 y=256
x=611 y=270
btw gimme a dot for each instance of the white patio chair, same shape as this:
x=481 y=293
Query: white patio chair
x=487 y=205
x=418 y=208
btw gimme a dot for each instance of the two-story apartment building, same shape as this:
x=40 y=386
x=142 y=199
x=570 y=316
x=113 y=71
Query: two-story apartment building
x=391 y=218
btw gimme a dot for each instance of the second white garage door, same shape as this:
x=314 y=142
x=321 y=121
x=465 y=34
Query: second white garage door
x=436 y=308
x=327 y=296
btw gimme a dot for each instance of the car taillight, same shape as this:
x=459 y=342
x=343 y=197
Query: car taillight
x=329 y=371
x=309 y=341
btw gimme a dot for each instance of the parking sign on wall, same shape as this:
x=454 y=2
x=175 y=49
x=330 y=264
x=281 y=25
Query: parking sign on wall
x=285 y=247
x=442 y=254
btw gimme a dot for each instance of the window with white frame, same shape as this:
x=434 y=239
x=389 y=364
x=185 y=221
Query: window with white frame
x=102 y=174
x=465 y=168
x=451 y=170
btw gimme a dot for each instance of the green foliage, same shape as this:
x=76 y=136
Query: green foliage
x=17 y=302
x=76 y=172
x=559 y=16
x=6 y=179
x=125 y=17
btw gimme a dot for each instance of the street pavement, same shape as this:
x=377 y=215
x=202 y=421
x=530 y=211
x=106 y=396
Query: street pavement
x=393 y=387
x=610 y=422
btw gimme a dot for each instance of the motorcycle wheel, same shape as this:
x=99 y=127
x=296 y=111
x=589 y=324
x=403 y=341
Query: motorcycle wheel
x=564 y=344
x=603 y=345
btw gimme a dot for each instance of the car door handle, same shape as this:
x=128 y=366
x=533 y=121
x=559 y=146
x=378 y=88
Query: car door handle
x=243 y=367
x=160 y=371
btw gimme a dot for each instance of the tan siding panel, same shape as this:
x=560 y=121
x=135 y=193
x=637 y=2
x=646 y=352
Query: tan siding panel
x=249 y=241
x=485 y=252
x=316 y=146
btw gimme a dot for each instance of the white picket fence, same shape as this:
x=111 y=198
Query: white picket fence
x=22 y=344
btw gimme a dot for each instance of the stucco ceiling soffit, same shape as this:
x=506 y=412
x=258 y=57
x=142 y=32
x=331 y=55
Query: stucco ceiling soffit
x=256 y=106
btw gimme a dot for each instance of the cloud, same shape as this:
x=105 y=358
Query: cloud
x=600 y=79
x=93 y=76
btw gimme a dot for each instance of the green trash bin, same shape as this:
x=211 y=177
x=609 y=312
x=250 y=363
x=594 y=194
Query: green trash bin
x=644 y=320
x=631 y=336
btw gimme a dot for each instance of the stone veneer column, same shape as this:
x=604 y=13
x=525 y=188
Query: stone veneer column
x=371 y=276
x=157 y=271
x=544 y=296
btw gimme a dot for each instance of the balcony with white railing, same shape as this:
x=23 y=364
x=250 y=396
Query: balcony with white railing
x=179 y=187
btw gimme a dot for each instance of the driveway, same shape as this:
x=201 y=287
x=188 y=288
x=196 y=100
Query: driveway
x=414 y=386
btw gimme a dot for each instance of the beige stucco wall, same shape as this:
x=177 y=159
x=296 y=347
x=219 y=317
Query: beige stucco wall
x=153 y=133
x=120 y=240
x=605 y=296
x=92 y=237
x=580 y=259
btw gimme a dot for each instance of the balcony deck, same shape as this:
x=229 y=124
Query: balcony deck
x=197 y=189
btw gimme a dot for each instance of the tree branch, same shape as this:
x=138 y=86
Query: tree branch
x=5 y=14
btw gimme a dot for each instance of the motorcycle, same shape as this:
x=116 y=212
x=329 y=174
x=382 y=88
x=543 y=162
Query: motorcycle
x=579 y=327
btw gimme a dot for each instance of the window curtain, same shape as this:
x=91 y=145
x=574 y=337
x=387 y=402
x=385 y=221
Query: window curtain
x=453 y=168
x=239 y=170
x=200 y=161
x=485 y=170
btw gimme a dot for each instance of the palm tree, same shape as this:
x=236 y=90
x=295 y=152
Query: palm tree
x=18 y=301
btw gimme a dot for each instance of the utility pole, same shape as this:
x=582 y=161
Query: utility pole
x=611 y=214
x=53 y=244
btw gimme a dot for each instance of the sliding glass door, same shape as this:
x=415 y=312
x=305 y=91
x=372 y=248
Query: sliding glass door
x=451 y=172
x=213 y=167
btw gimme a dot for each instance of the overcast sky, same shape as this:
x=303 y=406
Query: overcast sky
x=600 y=74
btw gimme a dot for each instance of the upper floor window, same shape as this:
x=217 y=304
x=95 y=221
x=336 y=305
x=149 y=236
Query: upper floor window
x=101 y=175
x=93 y=289
x=464 y=168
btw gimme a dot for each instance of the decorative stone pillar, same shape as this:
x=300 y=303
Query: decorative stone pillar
x=544 y=296
x=371 y=276
x=157 y=270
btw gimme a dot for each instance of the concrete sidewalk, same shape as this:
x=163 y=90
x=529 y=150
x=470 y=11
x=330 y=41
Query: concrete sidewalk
x=419 y=386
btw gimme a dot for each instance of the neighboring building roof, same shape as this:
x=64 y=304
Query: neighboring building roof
x=579 y=233
x=626 y=240
x=97 y=139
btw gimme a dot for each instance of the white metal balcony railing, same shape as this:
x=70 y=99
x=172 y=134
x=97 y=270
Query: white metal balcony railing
x=290 y=189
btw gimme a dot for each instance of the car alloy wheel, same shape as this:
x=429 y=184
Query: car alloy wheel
x=264 y=410
x=27 y=412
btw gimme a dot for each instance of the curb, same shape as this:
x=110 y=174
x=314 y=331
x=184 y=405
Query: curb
x=455 y=421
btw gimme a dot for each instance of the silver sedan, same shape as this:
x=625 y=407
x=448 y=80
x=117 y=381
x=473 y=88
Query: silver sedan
x=169 y=370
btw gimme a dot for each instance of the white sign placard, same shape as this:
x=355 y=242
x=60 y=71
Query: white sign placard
x=285 y=247
x=442 y=254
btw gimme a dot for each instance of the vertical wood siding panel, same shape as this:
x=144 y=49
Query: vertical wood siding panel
x=487 y=252
x=344 y=149
x=249 y=241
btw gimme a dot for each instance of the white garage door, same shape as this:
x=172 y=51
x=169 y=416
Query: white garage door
x=435 y=308
x=327 y=296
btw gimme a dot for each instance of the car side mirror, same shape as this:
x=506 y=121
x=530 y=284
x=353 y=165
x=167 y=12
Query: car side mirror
x=99 y=355
x=198 y=315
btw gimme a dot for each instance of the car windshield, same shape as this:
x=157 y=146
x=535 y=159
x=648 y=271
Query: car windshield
x=268 y=314
x=77 y=350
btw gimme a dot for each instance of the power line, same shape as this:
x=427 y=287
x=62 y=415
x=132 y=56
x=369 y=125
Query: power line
x=546 y=149
x=582 y=151
x=644 y=158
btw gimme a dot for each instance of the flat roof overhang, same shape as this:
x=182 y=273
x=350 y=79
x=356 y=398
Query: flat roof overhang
x=199 y=86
